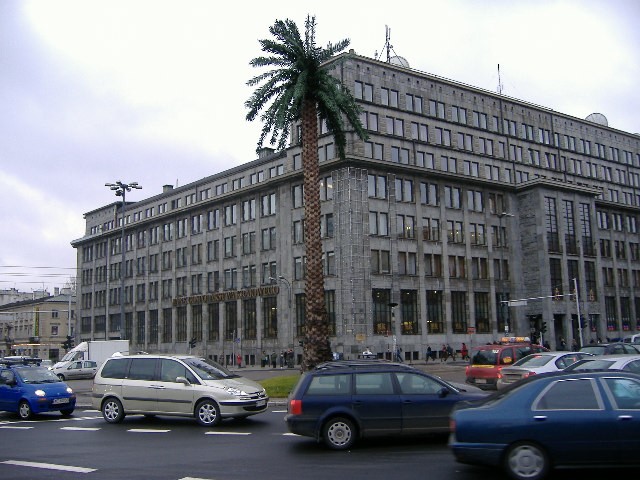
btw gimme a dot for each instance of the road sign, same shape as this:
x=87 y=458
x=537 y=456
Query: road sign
x=516 y=303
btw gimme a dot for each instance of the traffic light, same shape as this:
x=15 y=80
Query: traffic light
x=301 y=343
x=543 y=327
x=68 y=343
x=192 y=343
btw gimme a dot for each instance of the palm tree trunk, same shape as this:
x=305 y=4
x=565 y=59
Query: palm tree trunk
x=316 y=345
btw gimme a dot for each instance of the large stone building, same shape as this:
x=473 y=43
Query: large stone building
x=466 y=214
x=39 y=326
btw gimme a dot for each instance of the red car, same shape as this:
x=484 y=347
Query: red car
x=487 y=360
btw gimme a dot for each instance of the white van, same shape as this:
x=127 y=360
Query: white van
x=632 y=338
x=177 y=385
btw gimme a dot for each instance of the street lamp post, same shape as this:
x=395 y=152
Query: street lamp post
x=282 y=279
x=121 y=190
x=503 y=305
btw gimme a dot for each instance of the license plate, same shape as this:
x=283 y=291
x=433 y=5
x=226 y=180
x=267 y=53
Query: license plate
x=261 y=403
x=57 y=401
x=480 y=380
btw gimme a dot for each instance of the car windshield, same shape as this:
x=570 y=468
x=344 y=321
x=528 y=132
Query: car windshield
x=594 y=349
x=533 y=361
x=208 y=369
x=37 y=375
x=593 y=365
x=485 y=357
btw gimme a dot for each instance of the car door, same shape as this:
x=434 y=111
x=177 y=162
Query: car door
x=138 y=392
x=9 y=394
x=424 y=406
x=89 y=369
x=174 y=396
x=74 y=370
x=377 y=404
x=625 y=394
x=570 y=419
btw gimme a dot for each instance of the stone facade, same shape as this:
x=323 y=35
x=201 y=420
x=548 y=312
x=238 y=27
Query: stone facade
x=443 y=163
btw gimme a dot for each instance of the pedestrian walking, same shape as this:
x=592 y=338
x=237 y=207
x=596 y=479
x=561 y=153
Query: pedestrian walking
x=274 y=358
x=428 y=356
x=239 y=360
x=443 y=353
x=464 y=351
x=450 y=352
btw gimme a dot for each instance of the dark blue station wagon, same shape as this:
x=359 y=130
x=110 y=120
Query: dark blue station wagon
x=339 y=402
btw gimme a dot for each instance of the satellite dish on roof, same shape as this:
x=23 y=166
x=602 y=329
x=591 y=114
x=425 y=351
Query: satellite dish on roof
x=598 y=118
x=398 y=60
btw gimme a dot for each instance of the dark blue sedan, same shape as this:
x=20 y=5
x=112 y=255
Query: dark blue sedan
x=566 y=419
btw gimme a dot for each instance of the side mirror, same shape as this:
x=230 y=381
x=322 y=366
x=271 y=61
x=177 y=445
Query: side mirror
x=443 y=392
x=183 y=380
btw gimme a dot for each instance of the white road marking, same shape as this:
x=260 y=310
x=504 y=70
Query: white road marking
x=49 y=466
x=289 y=434
x=16 y=427
x=147 y=430
x=193 y=478
x=227 y=433
x=278 y=411
x=80 y=429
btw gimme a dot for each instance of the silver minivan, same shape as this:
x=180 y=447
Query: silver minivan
x=177 y=385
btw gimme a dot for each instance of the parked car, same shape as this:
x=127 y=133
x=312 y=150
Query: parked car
x=537 y=363
x=615 y=348
x=561 y=419
x=341 y=401
x=177 y=385
x=486 y=361
x=75 y=369
x=629 y=363
x=28 y=389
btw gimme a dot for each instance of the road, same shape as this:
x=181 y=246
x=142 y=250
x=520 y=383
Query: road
x=259 y=448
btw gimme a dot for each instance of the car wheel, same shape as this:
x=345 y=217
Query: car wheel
x=339 y=433
x=24 y=410
x=208 y=413
x=61 y=377
x=112 y=410
x=526 y=461
x=67 y=413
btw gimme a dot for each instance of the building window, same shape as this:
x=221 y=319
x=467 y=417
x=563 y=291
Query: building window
x=249 y=319
x=410 y=316
x=231 y=320
x=213 y=323
x=381 y=312
x=270 y=317
x=459 y=311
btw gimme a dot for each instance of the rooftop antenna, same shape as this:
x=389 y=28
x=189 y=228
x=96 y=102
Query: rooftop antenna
x=395 y=59
x=387 y=45
x=499 y=82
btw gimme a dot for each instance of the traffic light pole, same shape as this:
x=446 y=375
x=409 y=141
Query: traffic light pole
x=575 y=289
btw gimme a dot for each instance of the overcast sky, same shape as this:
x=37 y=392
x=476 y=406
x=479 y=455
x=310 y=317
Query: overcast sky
x=153 y=91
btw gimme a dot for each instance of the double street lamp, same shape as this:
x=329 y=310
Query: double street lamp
x=121 y=190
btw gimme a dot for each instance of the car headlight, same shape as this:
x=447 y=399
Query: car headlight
x=69 y=390
x=40 y=393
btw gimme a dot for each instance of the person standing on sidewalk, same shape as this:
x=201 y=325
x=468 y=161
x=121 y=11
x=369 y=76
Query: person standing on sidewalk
x=464 y=351
x=428 y=356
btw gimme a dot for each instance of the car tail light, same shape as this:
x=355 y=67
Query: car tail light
x=295 y=407
x=466 y=369
x=499 y=374
x=528 y=374
x=452 y=425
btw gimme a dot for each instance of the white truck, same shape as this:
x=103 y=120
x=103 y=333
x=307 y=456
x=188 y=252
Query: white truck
x=95 y=350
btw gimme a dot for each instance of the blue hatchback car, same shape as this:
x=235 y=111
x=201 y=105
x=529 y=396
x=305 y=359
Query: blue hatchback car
x=27 y=389
x=566 y=419
x=341 y=401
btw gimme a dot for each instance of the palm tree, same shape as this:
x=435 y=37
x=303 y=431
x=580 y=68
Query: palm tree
x=299 y=89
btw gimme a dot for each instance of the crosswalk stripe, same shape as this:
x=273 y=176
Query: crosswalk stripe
x=81 y=429
x=16 y=427
x=49 y=466
x=227 y=433
x=147 y=430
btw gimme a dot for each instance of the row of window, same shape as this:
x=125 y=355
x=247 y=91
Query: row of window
x=414 y=103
